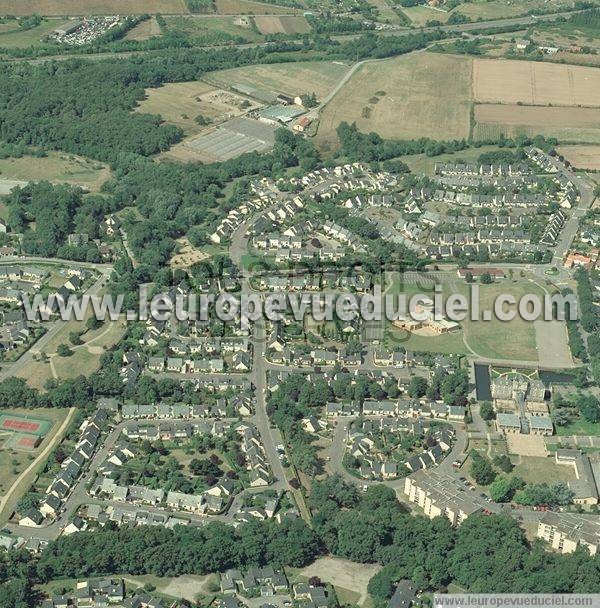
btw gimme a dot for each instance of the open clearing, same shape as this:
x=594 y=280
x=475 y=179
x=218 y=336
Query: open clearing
x=183 y=587
x=180 y=103
x=144 y=30
x=246 y=7
x=582 y=157
x=187 y=255
x=85 y=358
x=317 y=77
x=282 y=25
x=212 y=29
x=348 y=576
x=535 y=83
x=91 y=7
x=420 y=15
x=417 y=95
x=538 y=470
x=56 y=167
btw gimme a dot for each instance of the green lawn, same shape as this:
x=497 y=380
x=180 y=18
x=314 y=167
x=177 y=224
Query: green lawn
x=534 y=469
x=497 y=339
x=420 y=15
x=579 y=427
x=494 y=339
x=12 y=36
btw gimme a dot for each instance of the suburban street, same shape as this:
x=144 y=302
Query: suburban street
x=53 y=328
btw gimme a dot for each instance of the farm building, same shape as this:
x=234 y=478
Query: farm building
x=280 y=114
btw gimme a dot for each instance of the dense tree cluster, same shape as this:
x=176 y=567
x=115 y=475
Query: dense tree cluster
x=183 y=550
x=482 y=469
x=485 y=554
x=588 y=18
x=171 y=197
x=57 y=211
x=544 y=494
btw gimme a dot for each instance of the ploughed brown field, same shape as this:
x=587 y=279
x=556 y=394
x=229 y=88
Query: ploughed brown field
x=538 y=116
x=282 y=25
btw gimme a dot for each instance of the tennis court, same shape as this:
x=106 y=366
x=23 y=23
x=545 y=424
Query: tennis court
x=23 y=424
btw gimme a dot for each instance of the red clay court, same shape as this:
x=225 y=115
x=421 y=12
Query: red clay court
x=23 y=426
x=17 y=423
x=28 y=442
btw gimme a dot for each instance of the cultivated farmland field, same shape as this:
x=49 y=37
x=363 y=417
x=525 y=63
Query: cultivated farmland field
x=282 y=25
x=418 y=95
x=535 y=83
x=565 y=123
x=91 y=7
x=582 y=157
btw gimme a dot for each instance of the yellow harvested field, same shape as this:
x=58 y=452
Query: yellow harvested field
x=582 y=157
x=180 y=103
x=247 y=7
x=417 y=95
x=317 y=77
x=535 y=83
x=57 y=167
x=91 y=7
x=282 y=25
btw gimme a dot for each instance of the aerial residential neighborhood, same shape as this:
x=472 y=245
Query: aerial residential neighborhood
x=299 y=303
